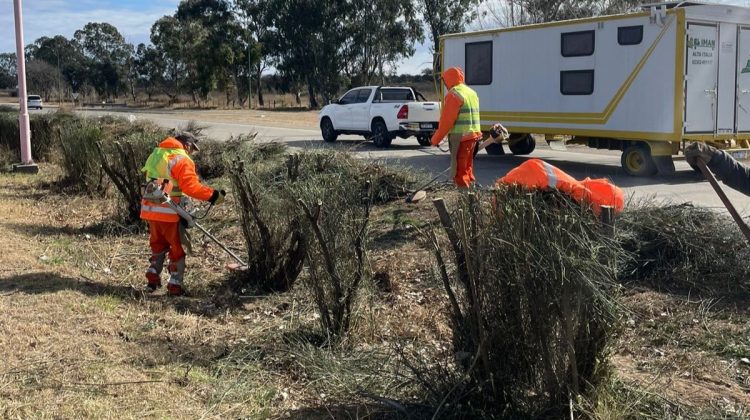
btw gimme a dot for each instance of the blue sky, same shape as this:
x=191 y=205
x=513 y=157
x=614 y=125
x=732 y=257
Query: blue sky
x=134 y=19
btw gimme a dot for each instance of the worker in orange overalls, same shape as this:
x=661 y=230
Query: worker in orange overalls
x=536 y=174
x=459 y=120
x=171 y=167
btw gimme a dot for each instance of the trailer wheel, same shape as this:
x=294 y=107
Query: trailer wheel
x=636 y=160
x=495 y=149
x=524 y=144
x=326 y=128
x=425 y=141
x=380 y=135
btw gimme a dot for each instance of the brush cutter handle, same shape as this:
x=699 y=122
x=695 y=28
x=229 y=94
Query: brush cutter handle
x=724 y=199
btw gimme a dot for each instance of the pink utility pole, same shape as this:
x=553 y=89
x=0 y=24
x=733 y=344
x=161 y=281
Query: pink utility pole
x=27 y=162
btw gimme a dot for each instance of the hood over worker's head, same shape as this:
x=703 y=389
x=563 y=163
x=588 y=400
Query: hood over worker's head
x=453 y=76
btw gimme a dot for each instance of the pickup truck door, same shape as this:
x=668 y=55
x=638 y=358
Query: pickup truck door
x=342 y=111
x=360 y=111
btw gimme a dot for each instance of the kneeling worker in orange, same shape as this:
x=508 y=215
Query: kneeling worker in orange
x=170 y=165
x=535 y=174
x=459 y=120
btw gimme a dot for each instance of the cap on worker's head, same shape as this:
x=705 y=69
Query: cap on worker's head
x=453 y=76
x=186 y=137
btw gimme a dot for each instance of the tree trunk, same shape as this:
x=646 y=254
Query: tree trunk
x=311 y=93
x=258 y=88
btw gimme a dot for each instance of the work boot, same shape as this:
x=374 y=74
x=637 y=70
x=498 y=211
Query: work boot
x=153 y=273
x=176 y=274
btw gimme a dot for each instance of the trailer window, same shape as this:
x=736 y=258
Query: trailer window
x=630 y=35
x=577 y=44
x=577 y=82
x=478 y=63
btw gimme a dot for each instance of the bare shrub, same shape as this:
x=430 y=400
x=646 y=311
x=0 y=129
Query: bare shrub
x=213 y=159
x=531 y=285
x=122 y=161
x=337 y=208
x=273 y=234
x=80 y=158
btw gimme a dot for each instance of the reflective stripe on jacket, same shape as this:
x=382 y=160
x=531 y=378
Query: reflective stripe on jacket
x=537 y=174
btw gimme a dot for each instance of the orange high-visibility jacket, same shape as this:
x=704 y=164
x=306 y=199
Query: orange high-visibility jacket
x=538 y=174
x=184 y=181
x=451 y=108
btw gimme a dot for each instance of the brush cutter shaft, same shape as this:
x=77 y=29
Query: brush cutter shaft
x=724 y=199
x=191 y=222
x=221 y=245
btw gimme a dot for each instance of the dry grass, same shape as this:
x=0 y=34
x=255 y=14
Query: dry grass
x=79 y=340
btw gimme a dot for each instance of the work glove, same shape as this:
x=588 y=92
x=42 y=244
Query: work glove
x=220 y=197
x=700 y=150
x=498 y=132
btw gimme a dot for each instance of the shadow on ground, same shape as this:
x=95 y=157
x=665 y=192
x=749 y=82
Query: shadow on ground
x=38 y=283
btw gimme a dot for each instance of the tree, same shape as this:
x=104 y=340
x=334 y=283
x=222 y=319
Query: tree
x=8 y=77
x=63 y=54
x=308 y=37
x=444 y=17
x=108 y=57
x=381 y=33
x=42 y=78
x=509 y=13
x=254 y=14
x=173 y=70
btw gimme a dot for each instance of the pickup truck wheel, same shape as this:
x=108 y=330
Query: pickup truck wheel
x=380 y=136
x=524 y=145
x=495 y=149
x=326 y=129
x=424 y=141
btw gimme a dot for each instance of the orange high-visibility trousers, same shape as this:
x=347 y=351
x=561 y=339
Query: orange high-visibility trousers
x=462 y=160
x=166 y=236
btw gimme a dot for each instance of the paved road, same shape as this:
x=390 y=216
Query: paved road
x=682 y=186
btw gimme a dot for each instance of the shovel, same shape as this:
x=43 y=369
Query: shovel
x=724 y=199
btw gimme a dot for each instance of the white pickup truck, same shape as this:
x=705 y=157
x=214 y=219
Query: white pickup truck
x=381 y=113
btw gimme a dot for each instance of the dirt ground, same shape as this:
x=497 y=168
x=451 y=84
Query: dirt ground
x=78 y=338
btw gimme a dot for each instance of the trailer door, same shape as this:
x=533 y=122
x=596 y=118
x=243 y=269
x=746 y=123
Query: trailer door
x=701 y=82
x=743 y=81
x=727 y=86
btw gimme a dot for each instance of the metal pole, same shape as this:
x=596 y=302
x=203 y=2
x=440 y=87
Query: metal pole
x=27 y=163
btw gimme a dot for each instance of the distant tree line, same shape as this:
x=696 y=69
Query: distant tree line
x=316 y=46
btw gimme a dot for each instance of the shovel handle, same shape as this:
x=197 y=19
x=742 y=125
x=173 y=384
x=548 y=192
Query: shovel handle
x=724 y=199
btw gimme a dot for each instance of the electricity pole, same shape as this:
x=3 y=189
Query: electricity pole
x=27 y=163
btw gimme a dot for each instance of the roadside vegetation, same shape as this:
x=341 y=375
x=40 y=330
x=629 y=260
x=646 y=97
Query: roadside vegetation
x=490 y=304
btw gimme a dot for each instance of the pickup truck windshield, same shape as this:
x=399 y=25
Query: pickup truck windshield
x=394 y=95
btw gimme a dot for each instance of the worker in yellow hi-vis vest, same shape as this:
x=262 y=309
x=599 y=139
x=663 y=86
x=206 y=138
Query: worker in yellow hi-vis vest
x=459 y=119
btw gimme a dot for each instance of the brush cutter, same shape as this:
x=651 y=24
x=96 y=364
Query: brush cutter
x=160 y=196
x=724 y=199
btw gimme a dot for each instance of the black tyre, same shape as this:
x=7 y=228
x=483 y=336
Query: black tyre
x=495 y=149
x=522 y=144
x=425 y=141
x=636 y=160
x=326 y=129
x=379 y=135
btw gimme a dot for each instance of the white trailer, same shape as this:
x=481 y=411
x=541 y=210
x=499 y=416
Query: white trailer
x=643 y=83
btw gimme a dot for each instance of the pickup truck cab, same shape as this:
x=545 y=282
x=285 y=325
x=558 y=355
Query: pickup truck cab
x=380 y=113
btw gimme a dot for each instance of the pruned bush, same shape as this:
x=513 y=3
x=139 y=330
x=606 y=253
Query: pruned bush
x=122 y=161
x=531 y=284
x=43 y=135
x=388 y=182
x=337 y=209
x=215 y=156
x=80 y=159
x=683 y=248
x=273 y=234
